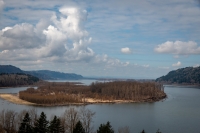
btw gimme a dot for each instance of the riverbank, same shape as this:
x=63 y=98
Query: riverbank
x=14 y=98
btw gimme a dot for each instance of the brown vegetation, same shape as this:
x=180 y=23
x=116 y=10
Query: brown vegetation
x=62 y=93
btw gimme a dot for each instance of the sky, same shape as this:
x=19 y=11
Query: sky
x=101 y=38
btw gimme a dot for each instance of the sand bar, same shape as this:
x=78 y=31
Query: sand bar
x=15 y=99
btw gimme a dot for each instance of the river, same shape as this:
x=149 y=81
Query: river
x=179 y=113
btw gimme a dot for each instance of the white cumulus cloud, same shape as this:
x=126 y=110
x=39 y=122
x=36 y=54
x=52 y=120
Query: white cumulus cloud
x=178 y=48
x=177 y=64
x=126 y=50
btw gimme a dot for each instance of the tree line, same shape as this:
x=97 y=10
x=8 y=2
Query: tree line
x=8 y=80
x=72 y=121
x=61 y=93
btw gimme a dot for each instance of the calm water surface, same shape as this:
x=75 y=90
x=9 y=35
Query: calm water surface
x=179 y=113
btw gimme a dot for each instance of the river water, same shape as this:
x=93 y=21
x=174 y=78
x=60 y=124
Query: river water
x=179 y=113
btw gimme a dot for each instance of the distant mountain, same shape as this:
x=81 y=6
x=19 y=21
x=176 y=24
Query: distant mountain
x=188 y=75
x=9 y=69
x=46 y=74
x=18 y=79
x=41 y=74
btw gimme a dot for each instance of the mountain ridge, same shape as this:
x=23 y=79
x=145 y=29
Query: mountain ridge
x=41 y=74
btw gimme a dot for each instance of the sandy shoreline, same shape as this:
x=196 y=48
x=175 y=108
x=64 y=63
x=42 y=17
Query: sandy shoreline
x=13 y=98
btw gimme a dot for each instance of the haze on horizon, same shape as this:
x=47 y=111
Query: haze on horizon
x=130 y=38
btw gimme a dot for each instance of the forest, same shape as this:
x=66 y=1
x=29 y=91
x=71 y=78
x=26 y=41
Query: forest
x=56 y=93
x=17 y=79
x=71 y=121
x=187 y=75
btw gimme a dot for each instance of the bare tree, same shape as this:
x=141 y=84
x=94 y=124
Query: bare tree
x=70 y=118
x=10 y=121
x=124 y=130
x=86 y=116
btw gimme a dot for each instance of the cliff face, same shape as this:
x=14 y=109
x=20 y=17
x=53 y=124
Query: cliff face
x=188 y=75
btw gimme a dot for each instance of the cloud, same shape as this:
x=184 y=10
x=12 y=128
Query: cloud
x=177 y=64
x=1 y=5
x=61 y=39
x=20 y=36
x=126 y=50
x=178 y=48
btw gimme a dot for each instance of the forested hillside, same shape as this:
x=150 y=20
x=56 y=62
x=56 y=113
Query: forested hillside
x=8 y=80
x=188 y=75
x=41 y=74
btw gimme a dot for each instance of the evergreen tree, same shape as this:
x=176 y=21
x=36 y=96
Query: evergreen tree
x=55 y=126
x=41 y=125
x=105 y=128
x=143 y=131
x=79 y=128
x=25 y=126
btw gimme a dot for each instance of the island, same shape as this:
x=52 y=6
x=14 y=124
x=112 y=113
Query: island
x=66 y=93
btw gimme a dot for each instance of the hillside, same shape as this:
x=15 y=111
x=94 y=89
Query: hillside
x=9 y=69
x=188 y=75
x=41 y=74
x=46 y=74
x=8 y=80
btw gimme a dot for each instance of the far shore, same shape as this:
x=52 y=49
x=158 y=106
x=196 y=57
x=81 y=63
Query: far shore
x=14 y=98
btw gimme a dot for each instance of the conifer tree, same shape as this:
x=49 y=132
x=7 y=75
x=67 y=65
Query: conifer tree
x=143 y=131
x=105 y=128
x=25 y=126
x=41 y=125
x=55 y=126
x=79 y=128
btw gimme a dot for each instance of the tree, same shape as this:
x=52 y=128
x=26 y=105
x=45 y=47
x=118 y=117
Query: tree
x=86 y=119
x=105 y=128
x=55 y=126
x=158 y=131
x=71 y=117
x=79 y=128
x=143 y=131
x=124 y=130
x=41 y=125
x=25 y=126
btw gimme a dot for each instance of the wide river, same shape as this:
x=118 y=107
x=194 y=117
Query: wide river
x=179 y=113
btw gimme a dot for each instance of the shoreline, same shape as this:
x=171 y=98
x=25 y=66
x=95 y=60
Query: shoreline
x=13 y=98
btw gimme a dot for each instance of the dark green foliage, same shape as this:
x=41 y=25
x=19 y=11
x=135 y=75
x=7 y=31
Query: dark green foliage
x=143 y=131
x=55 y=126
x=41 y=125
x=105 y=128
x=79 y=128
x=188 y=75
x=25 y=126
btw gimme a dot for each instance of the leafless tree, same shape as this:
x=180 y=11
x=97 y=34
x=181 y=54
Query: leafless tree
x=86 y=116
x=124 y=130
x=69 y=119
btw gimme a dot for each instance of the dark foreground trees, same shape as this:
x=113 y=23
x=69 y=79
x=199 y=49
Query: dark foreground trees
x=72 y=121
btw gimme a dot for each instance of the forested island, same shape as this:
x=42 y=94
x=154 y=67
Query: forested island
x=109 y=92
x=188 y=76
